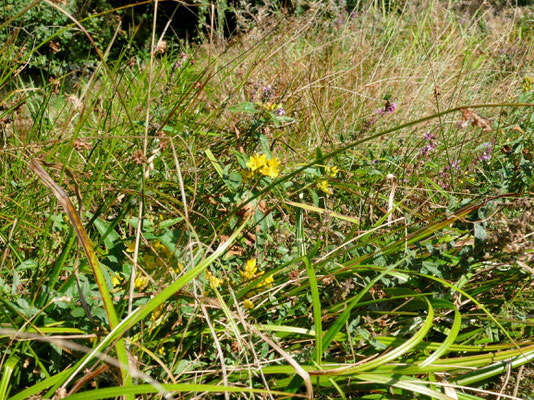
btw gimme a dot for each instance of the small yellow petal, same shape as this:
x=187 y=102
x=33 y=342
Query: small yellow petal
x=249 y=305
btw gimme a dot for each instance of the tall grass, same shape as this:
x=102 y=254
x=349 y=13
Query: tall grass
x=334 y=204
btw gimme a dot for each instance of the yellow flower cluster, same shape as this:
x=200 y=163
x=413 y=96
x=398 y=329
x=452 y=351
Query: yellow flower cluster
x=260 y=163
x=116 y=280
x=527 y=84
x=331 y=172
x=251 y=272
x=271 y=107
x=249 y=305
x=213 y=280
x=140 y=282
x=323 y=186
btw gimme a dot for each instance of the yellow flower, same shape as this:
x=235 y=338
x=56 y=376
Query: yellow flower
x=156 y=313
x=116 y=280
x=213 y=280
x=331 y=172
x=162 y=250
x=269 y=106
x=323 y=185
x=130 y=246
x=140 y=282
x=179 y=268
x=249 y=305
x=257 y=161
x=161 y=351
x=527 y=84
x=267 y=282
x=260 y=163
x=271 y=168
x=250 y=269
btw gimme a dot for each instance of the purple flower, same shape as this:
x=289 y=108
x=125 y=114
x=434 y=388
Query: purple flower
x=388 y=108
x=486 y=153
x=430 y=145
x=428 y=136
x=180 y=62
x=280 y=111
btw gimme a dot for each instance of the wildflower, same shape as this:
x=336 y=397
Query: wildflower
x=116 y=280
x=249 y=305
x=213 y=280
x=389 y=108
x=270 y=169
x=180 y=62
x=140 y=282
x=429 y=146
x=527 y=84
x=161 y=351
x=162 y=250
x=179 y=268
x=268 y=92
x=256 y=162
x=323 y=186
x=331 y=172
x=250 y=269
x=263 y=165
x=270 y=106
x=280 y=110
x=267 y=282
x=156 y=313
x=486 y=153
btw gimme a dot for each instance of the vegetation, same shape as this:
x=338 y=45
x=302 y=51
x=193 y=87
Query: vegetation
x=334 y=203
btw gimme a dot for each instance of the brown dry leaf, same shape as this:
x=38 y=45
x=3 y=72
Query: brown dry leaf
x=81 y=144
x=518 y=129
x=211 y=200
x=481 y=122
x=138 y=157
x=246 y=211
x=249 y=238
x=262 y=206
x=54 y=47
x=161 y=47
x=235 y=250
x=56 y=83
x=506 y=149
x=469 y=115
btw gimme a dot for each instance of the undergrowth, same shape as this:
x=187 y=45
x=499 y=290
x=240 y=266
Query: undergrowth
x=335 y=203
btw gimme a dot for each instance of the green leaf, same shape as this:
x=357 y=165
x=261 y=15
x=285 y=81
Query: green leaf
x=8 y=369
x=246 y=107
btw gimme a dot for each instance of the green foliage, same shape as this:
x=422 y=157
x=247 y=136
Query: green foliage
x=55 y=43
x=237 y=229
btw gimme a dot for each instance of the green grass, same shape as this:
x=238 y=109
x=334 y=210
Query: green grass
x=174 y=224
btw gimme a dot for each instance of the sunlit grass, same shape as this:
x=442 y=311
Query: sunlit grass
x=335 y=204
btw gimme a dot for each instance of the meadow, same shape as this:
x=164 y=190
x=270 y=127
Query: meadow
x=335 y=201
